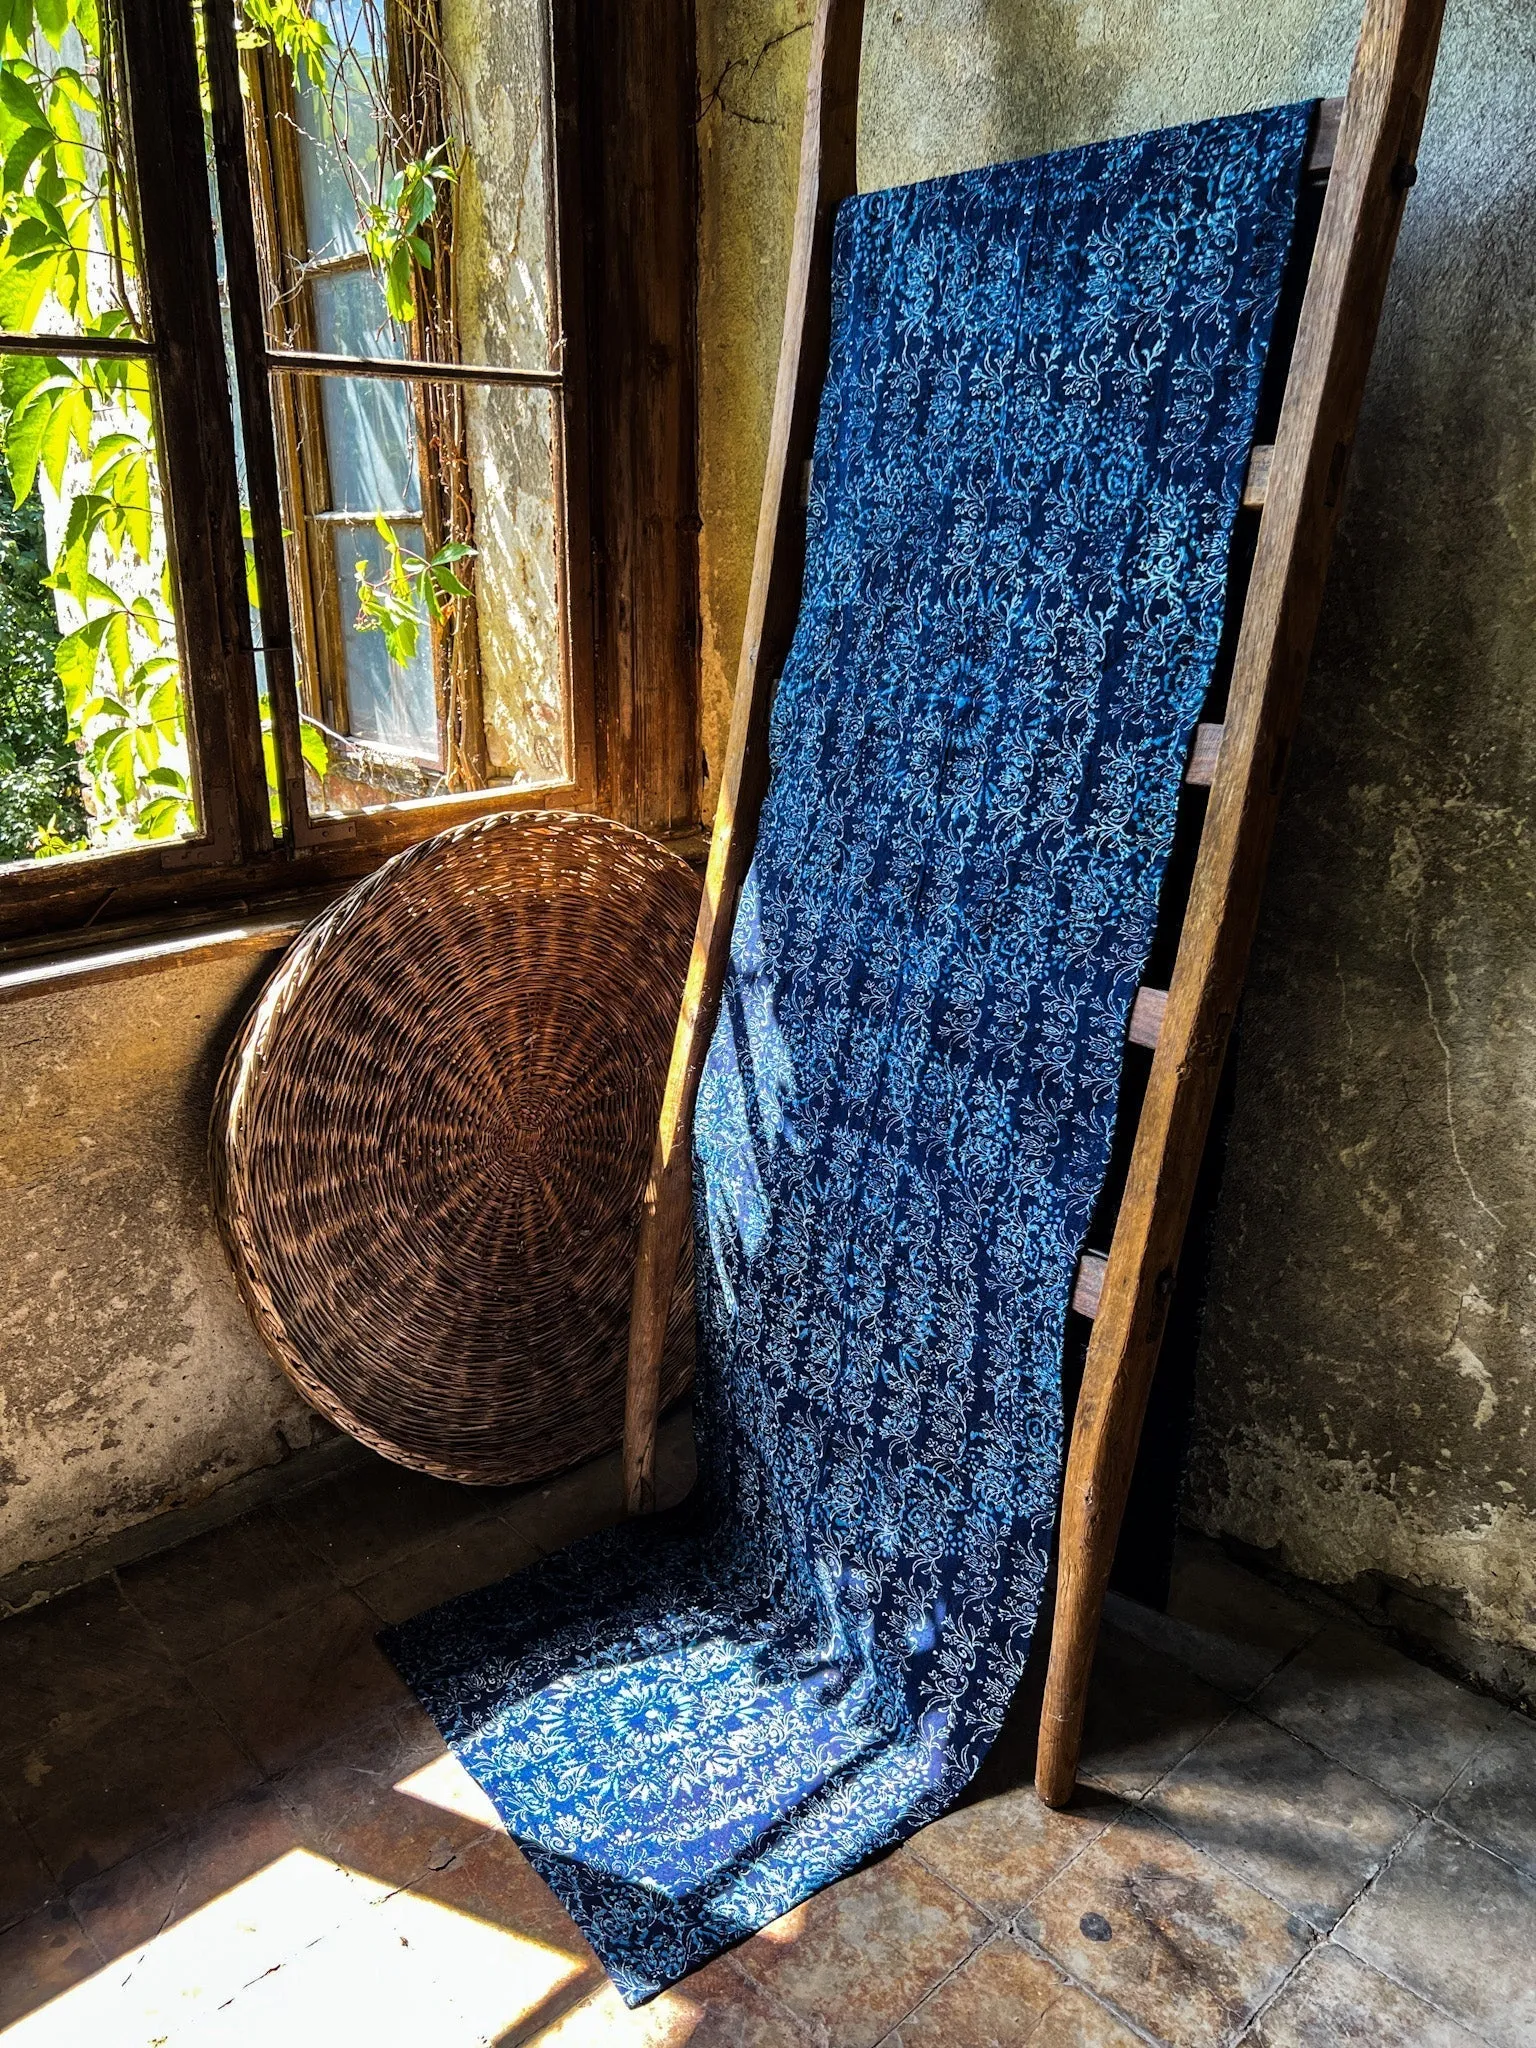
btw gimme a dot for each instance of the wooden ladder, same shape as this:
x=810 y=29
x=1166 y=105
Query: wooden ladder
x=1360 y=164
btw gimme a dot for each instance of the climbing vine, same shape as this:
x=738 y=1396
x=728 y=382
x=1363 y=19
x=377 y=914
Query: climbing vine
x=78 y=433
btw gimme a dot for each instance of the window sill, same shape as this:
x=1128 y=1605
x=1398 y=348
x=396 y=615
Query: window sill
x=152 y=952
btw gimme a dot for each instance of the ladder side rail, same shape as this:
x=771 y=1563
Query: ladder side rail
x=828 y=175
x=1373 y=167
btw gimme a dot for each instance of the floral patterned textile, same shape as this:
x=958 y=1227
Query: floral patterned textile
x=1042 y=390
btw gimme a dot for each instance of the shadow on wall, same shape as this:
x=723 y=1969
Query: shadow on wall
x=1369 y=1373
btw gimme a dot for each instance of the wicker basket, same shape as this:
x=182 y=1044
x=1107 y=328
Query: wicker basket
x=431 y=1138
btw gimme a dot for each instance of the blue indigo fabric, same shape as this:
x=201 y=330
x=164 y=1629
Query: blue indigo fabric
x=1042 y=391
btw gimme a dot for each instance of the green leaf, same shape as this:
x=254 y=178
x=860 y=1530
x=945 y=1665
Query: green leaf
x=313 y=747
x=18 y=97
x=399 y=284
x=23 y=446
x=448 y=584
x=23 y=153
x=119 y=650
x=17 y=18
x=117 y=764
x=74 y=660
x=165 y=704
x=160 y=818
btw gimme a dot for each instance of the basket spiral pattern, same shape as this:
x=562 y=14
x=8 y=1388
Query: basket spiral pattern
x=430 y=1142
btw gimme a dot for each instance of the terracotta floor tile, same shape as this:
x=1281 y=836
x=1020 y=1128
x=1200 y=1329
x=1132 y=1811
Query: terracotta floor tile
x=493 y=1880
x=577 y=1504
x=1144 y=1713
x=856 y=1958
x=488 y=1550
x=90 y=1801
x=174 y=1984
x=1301 y=1828
x=374 y=1516
x=1458 y=1927
x=1494 y=1799
x=1333 y=2001
x=354 y=1804
x=40 y=1958
x=68 y=1666
x=225 y=1584
x=1385 y=1716
x=1176 y=1942
x=25 y=1881
x=1001 y=1851
x=1225 y=1624
x=714 y=2008
x=1004 y=1997
x=302 y=1682
x=401 y=1971
x=224 y=1846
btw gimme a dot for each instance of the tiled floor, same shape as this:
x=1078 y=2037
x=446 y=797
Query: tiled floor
x=223 y=1820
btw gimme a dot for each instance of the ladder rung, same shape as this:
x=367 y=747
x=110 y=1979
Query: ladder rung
x=1256 y=481
x=1147 y=1016
x=1325 y=139
x=1203 y=755
x=1088 y=1287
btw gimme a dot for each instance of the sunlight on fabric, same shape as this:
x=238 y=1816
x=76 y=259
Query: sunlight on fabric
x=308 y=1952
x=733 y=1119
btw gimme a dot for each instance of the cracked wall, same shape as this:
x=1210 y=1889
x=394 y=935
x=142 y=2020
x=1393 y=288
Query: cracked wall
x=1369 y=1366
x=133 y=1381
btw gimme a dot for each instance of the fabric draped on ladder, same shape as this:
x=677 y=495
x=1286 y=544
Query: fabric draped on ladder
x=1043 y=386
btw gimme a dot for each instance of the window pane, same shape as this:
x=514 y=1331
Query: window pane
x=350 y=316
x=419 y=145
x=391 y=699
x=338 y=86
x=406 y=162
x=508 y=439
x=446 y=621
x=370 y=446
x=496 y=51
x=93 y=748
x=67 y=258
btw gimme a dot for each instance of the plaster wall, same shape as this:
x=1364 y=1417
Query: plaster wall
x=131 y=1379
x=1369 y=1366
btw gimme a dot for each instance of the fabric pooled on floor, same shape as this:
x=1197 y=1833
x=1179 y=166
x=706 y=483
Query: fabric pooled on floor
x=1042 y=391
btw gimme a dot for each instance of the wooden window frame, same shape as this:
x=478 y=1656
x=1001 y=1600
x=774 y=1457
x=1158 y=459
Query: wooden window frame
x=622 y=85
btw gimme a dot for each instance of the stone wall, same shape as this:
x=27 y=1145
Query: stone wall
x=1369 y=1366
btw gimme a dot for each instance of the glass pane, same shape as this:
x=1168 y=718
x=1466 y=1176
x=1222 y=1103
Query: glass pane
x=421 y=148
x=67 y=258
x=495 y=50
x=93 y=747
x=339 y=84
x=508 y=440
x=391 y=700
x=441 y=619
x=350 y=315
x=370 y=445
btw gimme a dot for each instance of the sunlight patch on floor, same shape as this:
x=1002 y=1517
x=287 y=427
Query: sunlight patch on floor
x=307 y=1952
x=605 y=2021
x=446 y=1784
